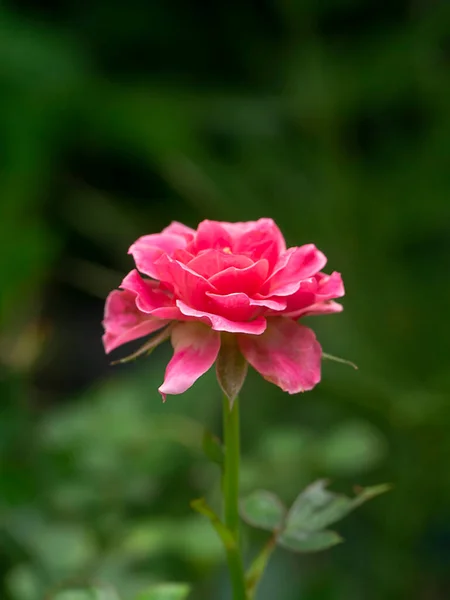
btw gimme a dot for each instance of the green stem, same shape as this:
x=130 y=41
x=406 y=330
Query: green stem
x=231 y=495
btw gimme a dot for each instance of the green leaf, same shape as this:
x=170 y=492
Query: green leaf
x=303 y=541
x=24 y=582
x=231 y=367
x=316 y=507
x=73 y=595
x=212 y=448
x=165 y=591
x=264 y=510
x=223 y=532
x=89 y=593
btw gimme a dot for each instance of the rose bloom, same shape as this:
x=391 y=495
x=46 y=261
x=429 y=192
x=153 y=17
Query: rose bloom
x=237 y=278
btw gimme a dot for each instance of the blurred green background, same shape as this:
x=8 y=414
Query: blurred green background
x=331 y=117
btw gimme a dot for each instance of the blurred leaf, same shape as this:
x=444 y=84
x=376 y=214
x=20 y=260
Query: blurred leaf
x=192 y=538
x=302 y=541
x=80 y=592
x=91 y=593
x=263 y=509
x=316 y=507
x=73 y=595
x=25 y=583
x=212 y=447
x=60 y=547
x=351 y=447
x=166 y=591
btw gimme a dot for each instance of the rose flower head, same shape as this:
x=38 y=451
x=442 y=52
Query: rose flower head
x=229 y=285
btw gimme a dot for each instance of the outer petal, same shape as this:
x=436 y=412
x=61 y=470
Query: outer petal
x=196 y=348
x=218 y=323
x=314 y=293
x=148 y=293
x=293 y=266
x=124 y=322
x=329 y=286
x=150 y=298
x=177 y=228
x=321 y=308
x=148 y=248
x=287 y=354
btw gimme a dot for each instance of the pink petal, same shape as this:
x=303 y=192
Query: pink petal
x=286 y=354
x=235 y=307
x=257 y=239
x=195 y=350
x=330 y=286
x=147 y=249
x=124 y=322
x=210 y=235
x=317 y=290
x=239 y=307
x=293 y=266
x=301 y=299
x=171 y=313
x=182 y=256
x=248 y=280
x=177 y=228
x=150 y=298
x=321 y=308
x=218 y=323
x=148 y=295
x=186 y=283
x=211 y=262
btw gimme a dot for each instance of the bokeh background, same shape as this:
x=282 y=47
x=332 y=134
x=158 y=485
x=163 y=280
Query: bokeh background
x=331 y=117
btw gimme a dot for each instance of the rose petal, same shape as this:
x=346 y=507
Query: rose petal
x=235 y=307
x=293 y=266
x=150 y=298
x=248 y=280
x=211 y=262
x=330 y=286
x=124 y=322
x=275 y=304
x=182 y=256
x=319 y=289
x=218 y=323
x=239 y=307
x=257 y=239
x=321 y=308
x=148 y=248
x=148 y=295
x=179 y=229
x=195 y=350
x=287 y=354
x=187 y=284
x=210 y=235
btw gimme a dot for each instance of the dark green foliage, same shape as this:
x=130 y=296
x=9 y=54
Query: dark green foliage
x=115 y=118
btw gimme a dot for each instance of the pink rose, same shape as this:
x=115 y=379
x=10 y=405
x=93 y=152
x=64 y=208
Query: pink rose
x=225 y=277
